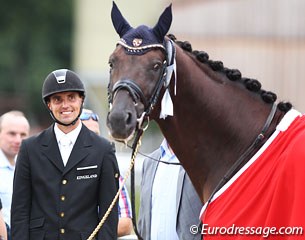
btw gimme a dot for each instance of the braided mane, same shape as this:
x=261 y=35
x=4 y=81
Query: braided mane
x=233 y=74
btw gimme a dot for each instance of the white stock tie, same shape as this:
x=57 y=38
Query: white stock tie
x=65 y=148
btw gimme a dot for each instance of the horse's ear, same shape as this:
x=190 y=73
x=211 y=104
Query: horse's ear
x=120 y=24
x=164 y=23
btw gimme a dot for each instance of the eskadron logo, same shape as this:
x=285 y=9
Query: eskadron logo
x=83 y=177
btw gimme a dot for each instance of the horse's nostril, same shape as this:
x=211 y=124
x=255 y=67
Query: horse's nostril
x=128 y=118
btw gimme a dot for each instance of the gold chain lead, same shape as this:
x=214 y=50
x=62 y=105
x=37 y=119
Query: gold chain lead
x=98 y=227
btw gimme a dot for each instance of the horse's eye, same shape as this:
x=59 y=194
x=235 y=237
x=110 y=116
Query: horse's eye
x=110 y=65
x=157 y=66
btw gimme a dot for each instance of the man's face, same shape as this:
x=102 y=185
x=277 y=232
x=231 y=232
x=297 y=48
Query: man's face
x=12 y=131
x=65 y=106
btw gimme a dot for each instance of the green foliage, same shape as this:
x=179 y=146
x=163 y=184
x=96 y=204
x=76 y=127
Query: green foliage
x=35 y=38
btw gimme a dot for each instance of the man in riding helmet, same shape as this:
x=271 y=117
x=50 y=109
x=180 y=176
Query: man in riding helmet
x=63 y=81
x=67 y=176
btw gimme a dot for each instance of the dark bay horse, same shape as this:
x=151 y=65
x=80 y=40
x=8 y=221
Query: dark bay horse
x=214 y=119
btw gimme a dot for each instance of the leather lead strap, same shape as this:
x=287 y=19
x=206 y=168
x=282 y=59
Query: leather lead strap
x=132 y=184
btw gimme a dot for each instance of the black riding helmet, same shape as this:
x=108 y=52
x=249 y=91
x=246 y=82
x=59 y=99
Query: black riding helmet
x=62 y=80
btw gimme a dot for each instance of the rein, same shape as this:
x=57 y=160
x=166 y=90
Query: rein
x=155 y=159
x=260 y=137
x=135 y=146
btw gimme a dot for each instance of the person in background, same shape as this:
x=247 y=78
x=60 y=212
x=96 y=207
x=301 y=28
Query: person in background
x=66 y=177
x=169 y=204
x=3 y=233
x=14 y=127
x=91 y=120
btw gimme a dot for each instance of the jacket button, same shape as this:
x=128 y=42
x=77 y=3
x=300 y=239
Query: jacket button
x=62 y=230
x=62 y=198
x=62 y=214
x=64 y=182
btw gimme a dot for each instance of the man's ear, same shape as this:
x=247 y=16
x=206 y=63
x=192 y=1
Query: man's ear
x=48 y=104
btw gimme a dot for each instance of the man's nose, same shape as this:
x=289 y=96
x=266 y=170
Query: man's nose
x=65 y=103
x=18 y=138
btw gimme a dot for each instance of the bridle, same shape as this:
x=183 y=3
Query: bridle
x=135 y=90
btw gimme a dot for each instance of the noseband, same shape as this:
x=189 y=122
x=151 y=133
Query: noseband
x=132 y=88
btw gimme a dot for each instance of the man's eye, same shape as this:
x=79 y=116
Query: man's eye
x=72 y=98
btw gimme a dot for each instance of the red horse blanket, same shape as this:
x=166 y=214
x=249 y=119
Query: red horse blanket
x=266 y=198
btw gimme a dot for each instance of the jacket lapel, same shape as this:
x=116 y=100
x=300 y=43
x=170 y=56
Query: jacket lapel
x=50 y=148
x=80 y=149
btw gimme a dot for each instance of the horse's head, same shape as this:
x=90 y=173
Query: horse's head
x=137 y=73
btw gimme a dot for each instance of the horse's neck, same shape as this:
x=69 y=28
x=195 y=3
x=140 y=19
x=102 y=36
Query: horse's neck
x=213 y=124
